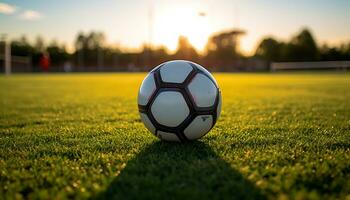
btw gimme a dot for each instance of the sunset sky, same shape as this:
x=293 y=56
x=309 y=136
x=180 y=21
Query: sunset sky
x=126 y=22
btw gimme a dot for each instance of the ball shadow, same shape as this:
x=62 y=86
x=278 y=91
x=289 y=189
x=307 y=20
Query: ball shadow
x=174 y=171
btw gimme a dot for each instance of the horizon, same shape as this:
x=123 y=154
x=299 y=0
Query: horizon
x=62 y=21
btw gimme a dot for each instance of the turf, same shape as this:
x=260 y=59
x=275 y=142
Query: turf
x=283 y=136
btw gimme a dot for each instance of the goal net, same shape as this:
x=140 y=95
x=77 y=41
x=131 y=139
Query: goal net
x=10 y=63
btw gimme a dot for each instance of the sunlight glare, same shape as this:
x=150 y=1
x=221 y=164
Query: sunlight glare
x=170 y=23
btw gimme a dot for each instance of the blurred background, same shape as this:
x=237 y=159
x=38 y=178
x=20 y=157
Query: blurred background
x=136 y=35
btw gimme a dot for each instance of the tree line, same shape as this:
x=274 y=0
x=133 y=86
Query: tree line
x=91 y=51
x=301 y=47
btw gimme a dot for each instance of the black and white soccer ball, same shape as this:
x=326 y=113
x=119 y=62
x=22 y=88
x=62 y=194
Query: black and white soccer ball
x=179 y=101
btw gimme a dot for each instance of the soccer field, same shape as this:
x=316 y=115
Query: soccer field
x=80 y=136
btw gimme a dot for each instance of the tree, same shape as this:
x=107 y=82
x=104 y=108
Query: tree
x=39 y=44
x=21 y=47
x=302 y=47
x=90 y=48
x=58 y=54
x=222 y=50
x=224 y=45
x=80 y=45
x=341 y=52
x=269 y=49
x=185 y=50
x=95 y=40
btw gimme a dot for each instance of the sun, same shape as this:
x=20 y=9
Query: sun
x=172 y=22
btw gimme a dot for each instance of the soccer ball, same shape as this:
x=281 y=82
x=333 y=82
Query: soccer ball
x=179 y=101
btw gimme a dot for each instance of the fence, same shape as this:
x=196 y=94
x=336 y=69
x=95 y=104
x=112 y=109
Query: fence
x=339 y=65
x=17 y=63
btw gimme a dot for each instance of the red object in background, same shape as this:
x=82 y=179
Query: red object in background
x=45 y=62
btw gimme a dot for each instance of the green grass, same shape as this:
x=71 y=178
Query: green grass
x=80 y=136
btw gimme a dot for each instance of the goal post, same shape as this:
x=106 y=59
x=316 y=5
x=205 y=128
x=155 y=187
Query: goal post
x=7 y=59
x=10 y=63
x=6 y=49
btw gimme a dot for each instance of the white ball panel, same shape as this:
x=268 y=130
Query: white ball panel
x=168 y=136
x=170 y=108
x=147 y=123
x=148 y=86
x=205 y=71
x=203 y=91
x=175 y=71
x=199 y=127
x=218 y=110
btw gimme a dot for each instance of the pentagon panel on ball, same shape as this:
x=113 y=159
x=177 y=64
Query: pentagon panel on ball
x=179 y=101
